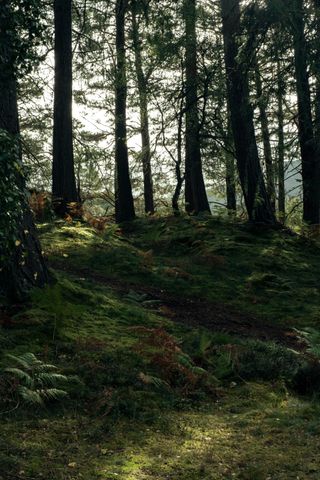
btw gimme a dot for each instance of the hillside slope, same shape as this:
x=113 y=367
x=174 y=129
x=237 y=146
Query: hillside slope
x=181 y=333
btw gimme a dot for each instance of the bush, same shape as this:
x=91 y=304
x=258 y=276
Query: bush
x=307 y=379
x=267 y=361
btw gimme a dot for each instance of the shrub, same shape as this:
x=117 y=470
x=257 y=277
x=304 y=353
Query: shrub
x=267 y=361
x=170 y=366
x=32 y=382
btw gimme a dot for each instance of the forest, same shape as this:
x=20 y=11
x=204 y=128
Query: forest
x=159 y=239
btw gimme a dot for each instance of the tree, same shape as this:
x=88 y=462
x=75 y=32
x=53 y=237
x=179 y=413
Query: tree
x=22 y=265
x=265 y=132
x=281 y=150
x=250 y=173
x=310 y=154
x=142 y=83
x=64 y=191
x=230 y=171
x=123 y=191
x=195 y=192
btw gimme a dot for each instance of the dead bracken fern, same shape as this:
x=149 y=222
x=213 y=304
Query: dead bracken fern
x=163 y=354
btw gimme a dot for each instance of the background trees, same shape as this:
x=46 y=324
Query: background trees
x=158 y=116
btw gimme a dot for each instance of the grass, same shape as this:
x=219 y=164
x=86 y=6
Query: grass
x=117 y=426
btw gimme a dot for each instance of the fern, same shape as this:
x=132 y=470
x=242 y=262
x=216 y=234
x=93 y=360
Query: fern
x=312 y=337
x=36 y=382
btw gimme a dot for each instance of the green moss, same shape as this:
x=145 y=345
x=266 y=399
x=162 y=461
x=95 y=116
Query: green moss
x=116 y=427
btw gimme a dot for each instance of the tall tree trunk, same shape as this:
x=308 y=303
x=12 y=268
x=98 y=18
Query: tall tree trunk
x=266 y=139
x=25 y=267
x=230 y=172
x=180 y=178
x=251 y=177
x=309 y=152
x=144 y=115
x=64 y=190
x=281 y=152
x=317 y=74
x=195 y=192
x=123 y=191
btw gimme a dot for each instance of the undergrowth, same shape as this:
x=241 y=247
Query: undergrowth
x=154 y=398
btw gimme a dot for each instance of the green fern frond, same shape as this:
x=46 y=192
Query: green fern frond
x=20 y=375
x=38 y=382
x=45 y=367
x=27 y=361
x=52 y=379
x=29 y=396
x=53 y=394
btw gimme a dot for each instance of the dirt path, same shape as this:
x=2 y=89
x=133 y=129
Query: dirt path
x=195 y=312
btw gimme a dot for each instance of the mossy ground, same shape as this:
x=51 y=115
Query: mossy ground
x=85 y=324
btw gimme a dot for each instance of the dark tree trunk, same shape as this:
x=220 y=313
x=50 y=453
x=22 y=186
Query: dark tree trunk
x=317 y=95
x=25 y=268
x=180 y=178
x=250 y=173
x=64 y=190
x=123 y=191
x=230 y=172
x=144 y=116
x=266 y=140
x=281 y=152
x=195 y=192
x=309 y=152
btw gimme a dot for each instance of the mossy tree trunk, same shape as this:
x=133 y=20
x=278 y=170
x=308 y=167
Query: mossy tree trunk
x=23 y=265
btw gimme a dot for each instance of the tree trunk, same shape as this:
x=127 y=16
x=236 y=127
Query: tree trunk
x=281 y=167
x=251 y=177
x=266 y=139
x=317 y=74
x=195 y=192
x=179 y=177
x=64 y=190
x=144 y=116
x=230 y=172
x=123 y=191
x=309 y=152
x=25 y=268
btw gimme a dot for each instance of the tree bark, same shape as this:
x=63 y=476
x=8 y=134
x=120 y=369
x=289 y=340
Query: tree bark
x=64 y=190
x=250 y=173
x=309 y=153
x=230 y=173
x=195 y=191
x=25 y=268
x=281 y=152
x=123 y=191
x=266 y=140
x=180 y=178
x=317 y=75
x=144 y=115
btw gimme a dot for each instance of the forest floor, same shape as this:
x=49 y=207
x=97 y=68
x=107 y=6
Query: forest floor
x=185 y=335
